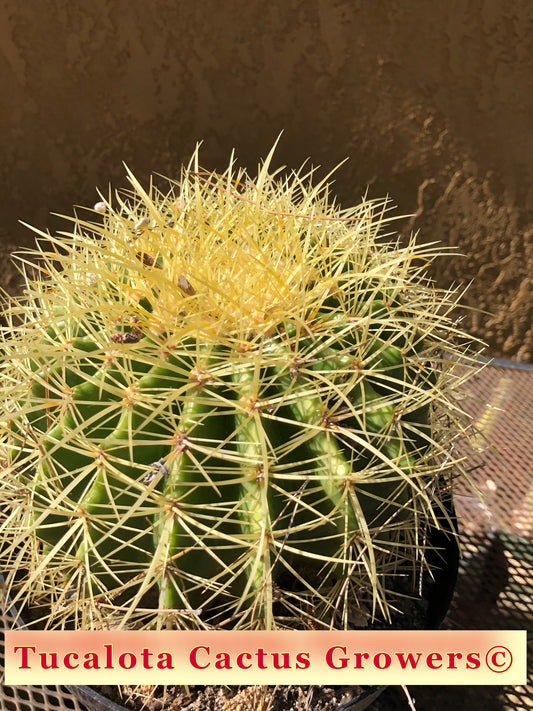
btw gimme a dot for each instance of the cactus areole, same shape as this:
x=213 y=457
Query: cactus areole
x=229 y=403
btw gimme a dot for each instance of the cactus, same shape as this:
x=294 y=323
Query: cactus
x=226 y=403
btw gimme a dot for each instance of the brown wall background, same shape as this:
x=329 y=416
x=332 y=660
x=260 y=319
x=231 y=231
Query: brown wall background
x=431 y=101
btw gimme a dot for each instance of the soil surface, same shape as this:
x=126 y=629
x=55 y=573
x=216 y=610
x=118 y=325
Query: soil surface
x=248 y=698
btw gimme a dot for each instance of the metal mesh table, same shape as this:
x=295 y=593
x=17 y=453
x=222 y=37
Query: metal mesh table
x=495 y=585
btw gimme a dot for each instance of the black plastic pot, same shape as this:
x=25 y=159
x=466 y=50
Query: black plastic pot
x=96 y=702
x=437 y=593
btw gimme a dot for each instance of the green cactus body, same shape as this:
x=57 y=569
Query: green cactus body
x=229 y=416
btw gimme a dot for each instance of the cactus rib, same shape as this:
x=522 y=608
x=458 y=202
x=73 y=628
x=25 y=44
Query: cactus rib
x=231 y=404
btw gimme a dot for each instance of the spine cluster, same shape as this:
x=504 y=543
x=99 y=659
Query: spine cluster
x=232 y=404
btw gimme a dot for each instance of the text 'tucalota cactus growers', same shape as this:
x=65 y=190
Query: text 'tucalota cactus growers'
x=225 y=404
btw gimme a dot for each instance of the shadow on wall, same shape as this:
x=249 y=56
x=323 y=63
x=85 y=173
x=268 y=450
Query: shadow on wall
x=431 y=102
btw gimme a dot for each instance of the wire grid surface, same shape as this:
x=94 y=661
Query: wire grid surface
x=495 y=585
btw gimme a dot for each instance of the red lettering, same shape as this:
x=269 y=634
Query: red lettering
x=108 y=657
x=127 y=660
x=334 y=661
x=223 y=661
x=359 y=656
x=91 y=661
x=240 y=660
x=24 y=655
x=67 y=663
x=452 y=656
x=53 y=661
x=387 y=660
x=193 y=657
x=164 y=661
x=472 y=660
x=408 y=659
x=260 y=654
x=302 y=660
x=285 y=664
x=432 y=660
x=145 y=654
